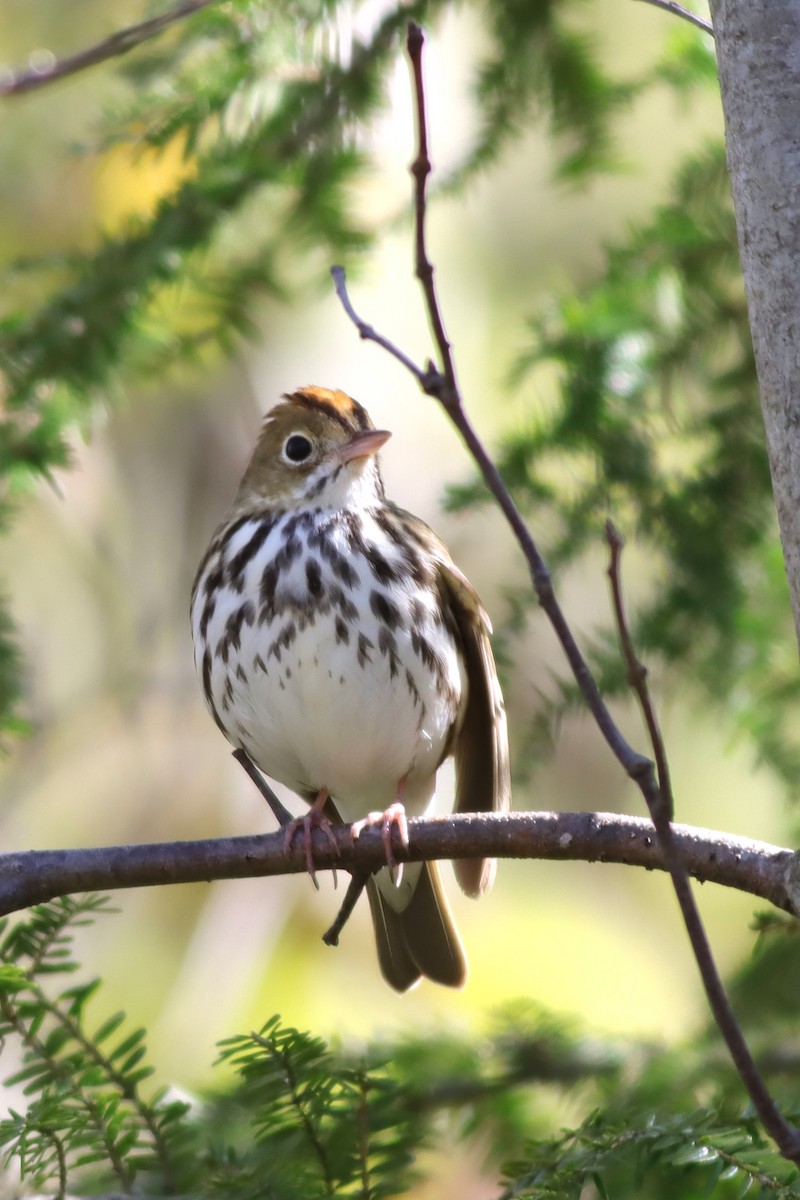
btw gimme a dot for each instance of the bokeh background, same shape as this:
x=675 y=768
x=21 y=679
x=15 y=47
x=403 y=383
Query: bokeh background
x=99 y=567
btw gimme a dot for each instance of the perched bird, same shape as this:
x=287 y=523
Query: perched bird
x=341 y=648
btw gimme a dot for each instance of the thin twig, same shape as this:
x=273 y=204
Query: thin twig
x=677 y=10
x=787 y=1137
x=434 y=383
x=637 y=671
x=420 y=170
x=659 y=804
x=28 y=79
x=441 y=384
x=446 y=391
x=368 y=332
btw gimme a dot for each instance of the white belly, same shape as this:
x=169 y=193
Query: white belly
x=336 y=678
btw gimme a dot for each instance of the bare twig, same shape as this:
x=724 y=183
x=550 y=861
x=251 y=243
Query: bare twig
x=441 y=383
x=16 y=83
x=368 y=332
x=447 y=390
x=677 y=10
x=637 y=672
x=786 y=1136
x=434 y=383
x=771 y=873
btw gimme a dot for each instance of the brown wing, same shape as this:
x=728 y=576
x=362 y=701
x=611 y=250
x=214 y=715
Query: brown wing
x=483 y=777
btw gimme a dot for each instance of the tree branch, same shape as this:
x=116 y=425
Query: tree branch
x=28 y=79
x=637 y=674
x=771 y=873
x=441 y=383
x=786 y=1136
x=677 y=10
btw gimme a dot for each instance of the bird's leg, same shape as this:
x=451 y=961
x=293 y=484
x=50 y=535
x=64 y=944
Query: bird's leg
x=314 y=819
x=354 y=889
x=281 y=814
x=391 y=817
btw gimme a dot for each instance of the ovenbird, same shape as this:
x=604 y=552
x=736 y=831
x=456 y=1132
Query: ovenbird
x=340 y=647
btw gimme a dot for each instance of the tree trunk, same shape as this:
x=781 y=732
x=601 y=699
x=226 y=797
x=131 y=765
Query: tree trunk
x=758 y=51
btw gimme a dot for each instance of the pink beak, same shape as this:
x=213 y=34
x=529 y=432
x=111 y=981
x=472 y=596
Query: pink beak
x=364 y=444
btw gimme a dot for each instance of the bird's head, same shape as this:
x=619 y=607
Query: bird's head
x=317 y=449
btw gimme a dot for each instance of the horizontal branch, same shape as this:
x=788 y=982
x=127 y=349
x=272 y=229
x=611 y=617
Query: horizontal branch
x=769 y=872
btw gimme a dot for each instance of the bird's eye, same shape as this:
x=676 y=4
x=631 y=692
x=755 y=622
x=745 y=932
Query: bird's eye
x=297 y=448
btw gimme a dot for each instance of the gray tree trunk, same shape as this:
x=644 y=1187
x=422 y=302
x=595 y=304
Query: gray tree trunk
x=758 y=51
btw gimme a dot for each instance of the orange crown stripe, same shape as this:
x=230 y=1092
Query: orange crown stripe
x=337 y=403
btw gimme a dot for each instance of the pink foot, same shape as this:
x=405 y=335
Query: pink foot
x=393 y=816
x=314 y=819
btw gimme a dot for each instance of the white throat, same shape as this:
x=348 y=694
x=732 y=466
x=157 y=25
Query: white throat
x=354 y=484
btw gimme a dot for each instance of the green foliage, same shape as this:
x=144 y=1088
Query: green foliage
x=270 y=129
x=656 y=422
x=267 y=170
x=84 y=1110
x=318 y=1123
x=539 y=64
x=301 y=1119
x=694 y=1156
x=10 y=685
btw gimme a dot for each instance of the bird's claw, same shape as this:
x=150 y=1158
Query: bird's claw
x=394 y=817
x=314 y=819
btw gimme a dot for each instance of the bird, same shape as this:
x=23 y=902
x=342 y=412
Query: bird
x=340 y=647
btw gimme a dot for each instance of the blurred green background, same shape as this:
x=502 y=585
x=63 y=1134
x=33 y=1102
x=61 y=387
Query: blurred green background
x=99 y=566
